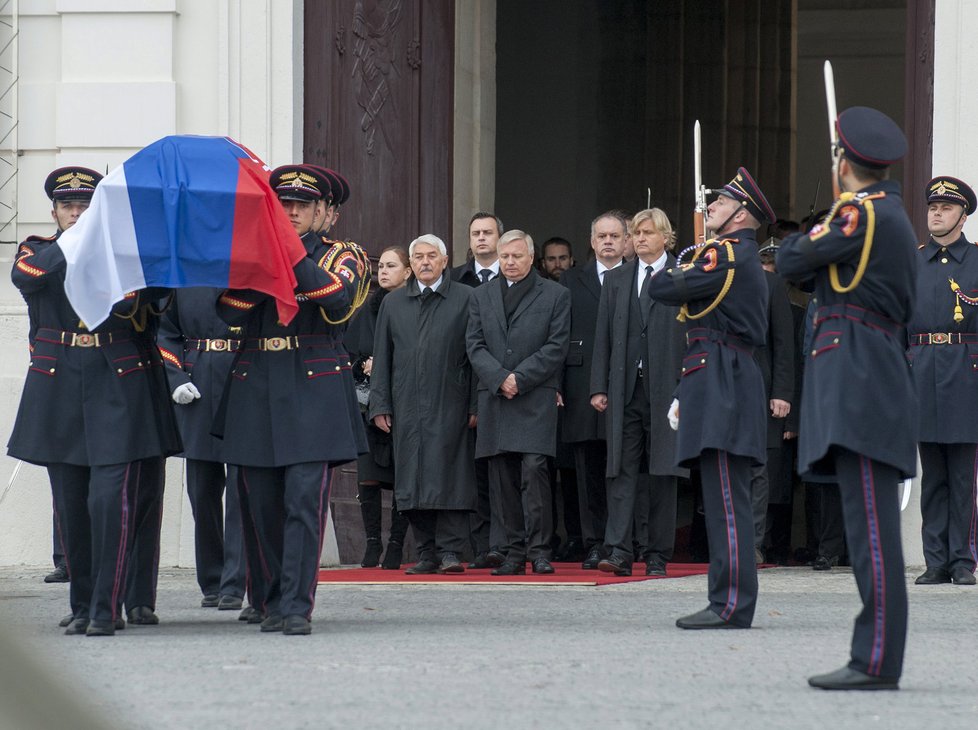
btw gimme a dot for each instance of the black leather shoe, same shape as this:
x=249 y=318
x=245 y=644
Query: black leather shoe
x=272 y=623
x=705 y=619
x=824 y=563
x=120 y=623
x=393 y=556
x=250 y=614
x=961 y=576
x=58 y=575
x=142 y=616
x=656 y=566
x=615 y=564
x=570 y=552
x=229 y=603
x=847 y=678
x=592 y=559
x=100 y=628
x=450 y=564
x=495 y=558
x=480 y=562
x=210 y=600
x=542 y=566
x=933 y=577
x=77 y=627
x=371 y=555
x=296 y=626
x=66 y=620
x=422 y=567
x=510 y=568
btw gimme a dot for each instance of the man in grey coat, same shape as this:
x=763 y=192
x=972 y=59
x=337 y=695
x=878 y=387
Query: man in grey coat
x=517 y=339
x=421 y=390
x=638 y=349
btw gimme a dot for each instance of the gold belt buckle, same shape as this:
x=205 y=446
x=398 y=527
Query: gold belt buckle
x=217 y=345
x=940 y=338
x=276 y=344
x=83 y=339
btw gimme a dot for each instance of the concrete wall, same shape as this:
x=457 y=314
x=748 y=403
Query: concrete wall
x=99 y=79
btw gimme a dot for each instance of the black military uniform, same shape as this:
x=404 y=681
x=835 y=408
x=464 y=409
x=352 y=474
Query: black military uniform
x=722 y=405
x=198 y=348
x=859 y=410
x=291 y=410
x=94 y=411
x=944 y=358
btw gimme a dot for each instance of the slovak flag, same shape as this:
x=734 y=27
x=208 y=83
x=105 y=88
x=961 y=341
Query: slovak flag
x=185 y=211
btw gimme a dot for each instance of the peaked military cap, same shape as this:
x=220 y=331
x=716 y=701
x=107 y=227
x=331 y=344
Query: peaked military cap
x=769 y=247
x=870 y=138
x=338 y=184
x=951 y=190
x=71 y=183
x=300 y=182
x=745 y=191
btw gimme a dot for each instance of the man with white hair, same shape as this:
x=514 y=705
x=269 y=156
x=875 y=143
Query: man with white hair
x=422 y=391
x=518 y=335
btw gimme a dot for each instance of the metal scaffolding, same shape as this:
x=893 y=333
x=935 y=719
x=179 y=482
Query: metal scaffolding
x=9 y=149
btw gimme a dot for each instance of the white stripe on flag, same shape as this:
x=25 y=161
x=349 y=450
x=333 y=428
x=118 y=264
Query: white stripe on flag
x=101 y=252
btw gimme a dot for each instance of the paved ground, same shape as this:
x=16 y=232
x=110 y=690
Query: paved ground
x=483 y=657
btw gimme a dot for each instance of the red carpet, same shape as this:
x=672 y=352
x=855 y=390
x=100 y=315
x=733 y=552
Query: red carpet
x=566 y=574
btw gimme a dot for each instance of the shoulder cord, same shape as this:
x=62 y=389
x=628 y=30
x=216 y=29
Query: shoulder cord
x=863 y=257
x=363 y=278
x=684 y=312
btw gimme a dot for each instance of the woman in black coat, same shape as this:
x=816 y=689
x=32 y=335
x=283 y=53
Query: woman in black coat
x=375 y=469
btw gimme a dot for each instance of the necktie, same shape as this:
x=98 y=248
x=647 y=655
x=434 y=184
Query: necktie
x=485 y=274
x=644 y=299
x=425 y=293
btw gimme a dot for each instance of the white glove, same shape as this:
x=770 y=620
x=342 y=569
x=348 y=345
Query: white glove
x=673 y=415
x=186 y=393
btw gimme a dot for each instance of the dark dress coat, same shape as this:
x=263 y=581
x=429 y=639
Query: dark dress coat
x=533 y=346
x=297 y=404
x=422 y=378
x=465 y=273
x=945 y=374
x=189 y=323
x=777 y=357
x=858 y=391
x=377 y=465
x=721 y=392
x=95 y=405
x=662 y=360
x=580 y=421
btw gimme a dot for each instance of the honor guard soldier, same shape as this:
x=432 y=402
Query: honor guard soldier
x=943 y=356
x=722 y=427
x=291 y=411
x=859 y=410
x=329 y=212
x=95 y=413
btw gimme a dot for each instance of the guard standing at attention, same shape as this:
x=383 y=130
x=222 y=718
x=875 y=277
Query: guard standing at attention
x=722 y=406
x=859 y=409
x=944 y=359
x=94 y=412
x=291 y=410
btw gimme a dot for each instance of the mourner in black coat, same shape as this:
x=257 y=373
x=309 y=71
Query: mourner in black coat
x=944 y=358
x=517 y=340
x=721 y=401
x=291 y=411
x=423 y=391
x=95 y=412
x=198 y=348
x=638 y=349
x=859 y=410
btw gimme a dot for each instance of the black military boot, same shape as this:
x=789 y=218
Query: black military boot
x=369 y=497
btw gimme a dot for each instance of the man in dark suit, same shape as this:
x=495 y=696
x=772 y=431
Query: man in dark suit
x=944 y=354
x=721 y=393
x=483 y=266
x=517 y=341
x=583 y=426
x=556 y=258
x=859 y=409
x=638 y=348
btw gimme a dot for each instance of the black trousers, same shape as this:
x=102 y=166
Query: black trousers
x=871 y=507
x=144 y=559
x=287 y=506
x=732 y=577
x=947 y=505
x=218 y=546
x=656 y=504
x=96 y=507
x=622 y=489
x=520 y=499
x=591 y=461
x=831 y=524
x=438 y=531
x=481 y=533
x=57 y=546
x=759 y=492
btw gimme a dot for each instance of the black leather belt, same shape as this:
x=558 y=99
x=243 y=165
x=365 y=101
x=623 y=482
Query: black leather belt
x=291 y=342
x=867 y=316
x=943 y=338
x=82 y=339
x=213 y=345
x=724 y=338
